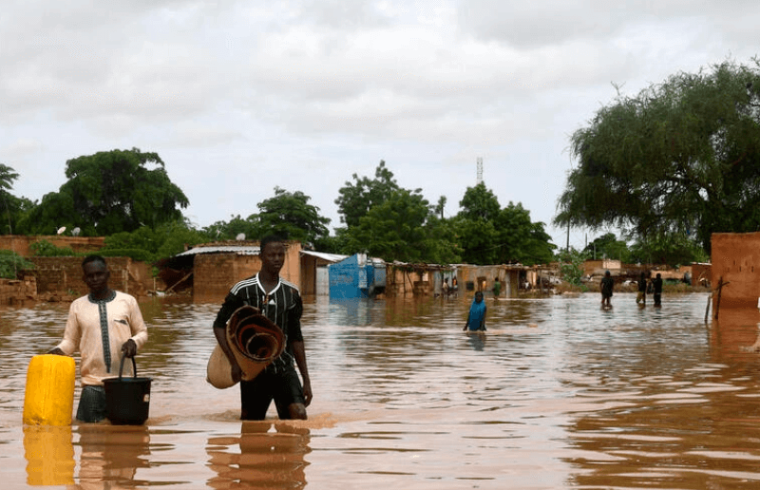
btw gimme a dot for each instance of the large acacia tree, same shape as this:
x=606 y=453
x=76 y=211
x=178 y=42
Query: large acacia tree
x=680 y=158
x=110 y=192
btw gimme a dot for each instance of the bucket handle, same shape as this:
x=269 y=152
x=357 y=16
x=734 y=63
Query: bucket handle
x=121 y=366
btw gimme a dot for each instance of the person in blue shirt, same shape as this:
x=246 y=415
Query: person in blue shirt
x=476 y=319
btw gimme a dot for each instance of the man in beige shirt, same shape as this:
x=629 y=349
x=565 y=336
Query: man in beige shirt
x=101 y=325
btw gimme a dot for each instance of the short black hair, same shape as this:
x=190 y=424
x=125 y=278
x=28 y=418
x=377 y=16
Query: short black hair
x=94 y=258
x=267 y=240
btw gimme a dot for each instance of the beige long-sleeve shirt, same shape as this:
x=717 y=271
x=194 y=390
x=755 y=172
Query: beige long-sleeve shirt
x=83 y=332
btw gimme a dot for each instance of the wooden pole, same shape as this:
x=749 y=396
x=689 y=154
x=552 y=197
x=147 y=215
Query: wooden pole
x=707 y=311
x=179 y=282
x=720 y=290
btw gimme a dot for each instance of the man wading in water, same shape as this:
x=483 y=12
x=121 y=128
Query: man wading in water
x=100 y=325
x=279 y=301
x=606 y=286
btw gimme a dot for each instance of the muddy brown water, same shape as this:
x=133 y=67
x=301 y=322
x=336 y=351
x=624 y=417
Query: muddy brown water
x=557 y=394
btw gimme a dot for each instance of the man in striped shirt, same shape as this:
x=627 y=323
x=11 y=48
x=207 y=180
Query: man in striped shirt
x=279 y=301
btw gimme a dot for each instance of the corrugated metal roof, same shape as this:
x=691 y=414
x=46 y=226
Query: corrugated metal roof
x=324 y=256
x=240 y=250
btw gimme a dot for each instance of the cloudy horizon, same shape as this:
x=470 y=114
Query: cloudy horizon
x=239 y=98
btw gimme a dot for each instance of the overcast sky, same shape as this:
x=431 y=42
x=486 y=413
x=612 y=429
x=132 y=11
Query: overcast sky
x=238 y=97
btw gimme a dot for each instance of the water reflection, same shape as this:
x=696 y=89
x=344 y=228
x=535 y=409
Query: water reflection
x=270 y=456
x=49 y=455
x=477 y=340
x=111 y=455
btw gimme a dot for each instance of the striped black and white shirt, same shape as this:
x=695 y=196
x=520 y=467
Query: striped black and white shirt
x=282 y=305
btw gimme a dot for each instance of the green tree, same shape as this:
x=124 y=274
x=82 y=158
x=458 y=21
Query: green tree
x=150 y=245
x=394 y=229
x=290 y=215
x=488 y=234
x=671 y=249
x=55 y=210
x=479 y=203
x=680 y=158
x=111 y=192
x=357 y=198
x=12 y=263
x=608 y=246
x=521 y=240
x=229 y=230
x=478 y=240
x=12 y=208
x=571 y=265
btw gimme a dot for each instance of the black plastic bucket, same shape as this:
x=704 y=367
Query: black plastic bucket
x=127 y=399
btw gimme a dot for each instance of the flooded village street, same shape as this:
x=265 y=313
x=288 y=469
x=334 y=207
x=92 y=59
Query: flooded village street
x=557 y=394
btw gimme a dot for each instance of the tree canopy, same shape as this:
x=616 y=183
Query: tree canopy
x=12 y=208
x=680 y=158
x=608 y=246
x=357 y=198
x=110 y=192
x=289 y=214
x=396 y=229
x=490 y=234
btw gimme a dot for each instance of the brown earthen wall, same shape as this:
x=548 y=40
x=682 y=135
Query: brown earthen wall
x=63 y=275
x=17 y=292
x=736 y=260
x=21 y=244
x=215 y=273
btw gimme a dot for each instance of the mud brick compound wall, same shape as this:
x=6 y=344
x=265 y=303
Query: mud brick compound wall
x=13 y=291
x=63 y=275
x=21 y=244
x=215 y=273
x=736 y=260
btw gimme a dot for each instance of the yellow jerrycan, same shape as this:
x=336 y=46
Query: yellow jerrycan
x=49 y=397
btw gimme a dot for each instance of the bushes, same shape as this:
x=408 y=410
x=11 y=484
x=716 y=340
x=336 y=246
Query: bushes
x=44 y=248
x=11 y=263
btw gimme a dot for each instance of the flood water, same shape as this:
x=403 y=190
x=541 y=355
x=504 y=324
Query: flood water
x=557 y=394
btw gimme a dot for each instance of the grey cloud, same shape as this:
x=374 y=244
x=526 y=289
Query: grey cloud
x=535 y=24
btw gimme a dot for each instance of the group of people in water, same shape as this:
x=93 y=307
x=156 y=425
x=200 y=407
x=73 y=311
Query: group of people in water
x=106 y=325
x=645 y=286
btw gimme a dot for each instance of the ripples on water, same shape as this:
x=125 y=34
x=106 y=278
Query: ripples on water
x=557 y=394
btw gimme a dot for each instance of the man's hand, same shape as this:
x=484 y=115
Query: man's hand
x=57 y=351
x=129 y=348
x=307 y=394
x=236 y=372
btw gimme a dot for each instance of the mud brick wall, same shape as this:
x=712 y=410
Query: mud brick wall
x=21 y=244
x=215 y=273
x=63 y=275
x=736 y=259
x=16 y=292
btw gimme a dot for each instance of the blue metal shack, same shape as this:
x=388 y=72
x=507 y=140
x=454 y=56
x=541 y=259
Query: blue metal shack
x=356 y=277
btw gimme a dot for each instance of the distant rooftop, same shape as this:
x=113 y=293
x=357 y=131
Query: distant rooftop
x=216 y=249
